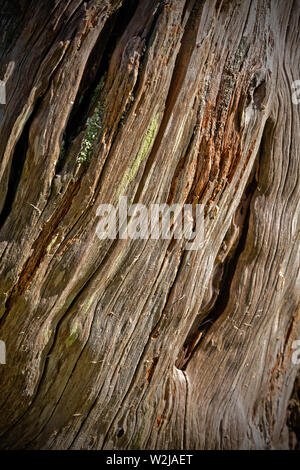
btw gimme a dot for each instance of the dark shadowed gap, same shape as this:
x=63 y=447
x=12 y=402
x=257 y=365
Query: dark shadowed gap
x=202 y=325
x=17 y=165
x=293 y=416
x=95 y=71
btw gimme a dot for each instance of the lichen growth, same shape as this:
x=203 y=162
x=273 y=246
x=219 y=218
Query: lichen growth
x=94 y=127
x=47 y=334
x=51 y=243
x=93 y=133
x=143 y=151
x=72 y=338
x=89 y=302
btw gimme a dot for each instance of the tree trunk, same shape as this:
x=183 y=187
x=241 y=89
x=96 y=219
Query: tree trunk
x=137 y=344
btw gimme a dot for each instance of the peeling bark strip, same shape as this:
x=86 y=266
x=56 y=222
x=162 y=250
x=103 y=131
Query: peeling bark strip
x=139 y=344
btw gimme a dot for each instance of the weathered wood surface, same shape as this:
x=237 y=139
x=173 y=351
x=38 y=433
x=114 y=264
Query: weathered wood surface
x=142 y=344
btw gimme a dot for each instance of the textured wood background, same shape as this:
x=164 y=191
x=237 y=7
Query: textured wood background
x=143 y=344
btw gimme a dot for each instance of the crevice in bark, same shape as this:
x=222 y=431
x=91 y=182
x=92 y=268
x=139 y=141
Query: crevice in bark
x=94 y=73
x=120 y=433
x=151 y=369
x=17 y=165
x=179 y=72
x=187 y=7
x=12 y=14
x=40 y=250
x=225 y=270
x=21 y=147
x=293 y=416
x=223 y=277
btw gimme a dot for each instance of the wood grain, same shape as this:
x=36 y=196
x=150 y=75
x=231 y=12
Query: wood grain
x=137 y=344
